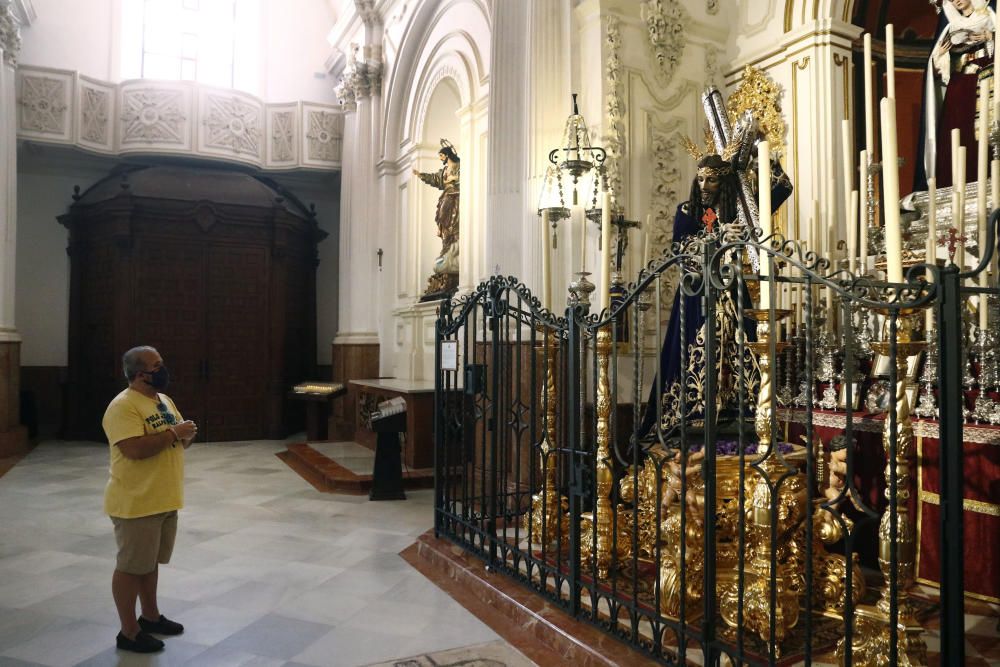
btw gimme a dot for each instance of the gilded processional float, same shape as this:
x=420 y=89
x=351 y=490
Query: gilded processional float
x=718 y=464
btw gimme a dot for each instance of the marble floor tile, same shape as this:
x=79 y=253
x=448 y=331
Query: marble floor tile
x=275 y=636
x=266 y=572
x=64 y=646
x=178 y=653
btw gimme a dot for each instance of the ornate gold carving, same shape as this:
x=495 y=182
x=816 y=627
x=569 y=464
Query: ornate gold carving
x=548 y=518
x=759 y=94
x=872 y=637
x=605 y=475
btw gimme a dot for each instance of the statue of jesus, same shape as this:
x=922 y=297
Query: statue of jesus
x=445 y=277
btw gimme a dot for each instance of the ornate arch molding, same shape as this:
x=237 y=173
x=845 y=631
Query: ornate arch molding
x=801 y=12
x=420 y=65
x=444 y=64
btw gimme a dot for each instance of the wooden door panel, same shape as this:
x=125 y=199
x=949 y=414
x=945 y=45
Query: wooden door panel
x=170 y=315
x=237 y=339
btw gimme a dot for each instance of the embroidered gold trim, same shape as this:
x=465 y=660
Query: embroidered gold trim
x=977 y=506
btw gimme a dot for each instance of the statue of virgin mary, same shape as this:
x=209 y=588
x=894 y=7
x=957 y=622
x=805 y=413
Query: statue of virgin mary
x=963 y=48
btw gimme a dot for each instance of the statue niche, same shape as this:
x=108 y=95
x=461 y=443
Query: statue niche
x=444 y=279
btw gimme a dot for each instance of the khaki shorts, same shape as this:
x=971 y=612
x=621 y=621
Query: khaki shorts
x=144 y=542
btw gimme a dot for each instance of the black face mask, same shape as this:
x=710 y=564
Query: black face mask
x=158 y=379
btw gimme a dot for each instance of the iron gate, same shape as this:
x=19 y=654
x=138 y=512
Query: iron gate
x=557 y=467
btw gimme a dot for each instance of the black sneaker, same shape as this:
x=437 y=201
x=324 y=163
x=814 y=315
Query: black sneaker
x=143 y=643
x=163 y=626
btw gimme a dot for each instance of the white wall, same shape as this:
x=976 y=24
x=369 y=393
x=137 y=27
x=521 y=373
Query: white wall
x=84 y=35
x=324 y=192
x=75 y=35
x=295 y=50
x=45 y=181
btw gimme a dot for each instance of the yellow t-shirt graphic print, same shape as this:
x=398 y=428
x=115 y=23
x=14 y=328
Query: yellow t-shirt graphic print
x=146 y=486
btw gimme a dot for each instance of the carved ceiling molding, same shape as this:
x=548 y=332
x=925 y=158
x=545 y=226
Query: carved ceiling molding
x=96 y=113
x=362 y=77
x=152 y=115
x=666 y=25
x=233 y=124
x=175 y=118
x=666 y=142
x=324 y=135
x=614 y=139
x=368 y=12
x=10 y=34
x=283 y=136
x=712 y=70
x=43 y=104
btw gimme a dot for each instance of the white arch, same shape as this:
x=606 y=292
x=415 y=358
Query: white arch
x=429 y=51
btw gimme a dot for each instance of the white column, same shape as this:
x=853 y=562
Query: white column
x=359 y=213
x=505 y=205
x=813 y=64
x=547 y=108
x=9 y=47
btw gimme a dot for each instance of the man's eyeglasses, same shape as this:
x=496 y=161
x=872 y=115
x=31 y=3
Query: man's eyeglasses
x=168 y=416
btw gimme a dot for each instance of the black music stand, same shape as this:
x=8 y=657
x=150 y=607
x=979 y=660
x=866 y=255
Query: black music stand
x=387 y=476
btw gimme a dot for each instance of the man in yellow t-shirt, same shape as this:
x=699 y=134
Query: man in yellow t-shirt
x=147 y=438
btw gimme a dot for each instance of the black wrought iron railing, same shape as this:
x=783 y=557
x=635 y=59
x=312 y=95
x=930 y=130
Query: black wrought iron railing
x=713 y=481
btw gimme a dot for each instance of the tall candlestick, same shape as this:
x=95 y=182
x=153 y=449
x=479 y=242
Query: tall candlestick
x=890 y=61
x=764 y=192
x=863 y=210
x=869 y=99
x=930 y=253
x=606 y=250
x=852 y=232
x=890 y=193
x=546 y=262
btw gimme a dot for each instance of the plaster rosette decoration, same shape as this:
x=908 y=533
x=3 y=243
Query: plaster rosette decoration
x=666 y=22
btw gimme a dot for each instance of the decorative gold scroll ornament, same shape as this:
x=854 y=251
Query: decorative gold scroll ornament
x=759 y=94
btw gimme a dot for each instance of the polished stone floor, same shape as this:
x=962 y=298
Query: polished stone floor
x=267 y=571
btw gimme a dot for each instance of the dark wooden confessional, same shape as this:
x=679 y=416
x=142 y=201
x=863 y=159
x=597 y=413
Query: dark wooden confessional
x=217 y=270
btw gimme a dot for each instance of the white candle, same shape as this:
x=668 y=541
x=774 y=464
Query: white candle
x=852 y=232
x=995 y=196
x=764 y=192
x=847 y=150
x=869 y=100
x=982 y=164
x=579 y=215
x=930 y=254
x=890 y=193
x=863 y=211
x=890 y=61
x=546 y=262
x=606 y=250
x=646 y=241
x=956 y=141
x=958 y=213
x=815 y=237
x=996 y=70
